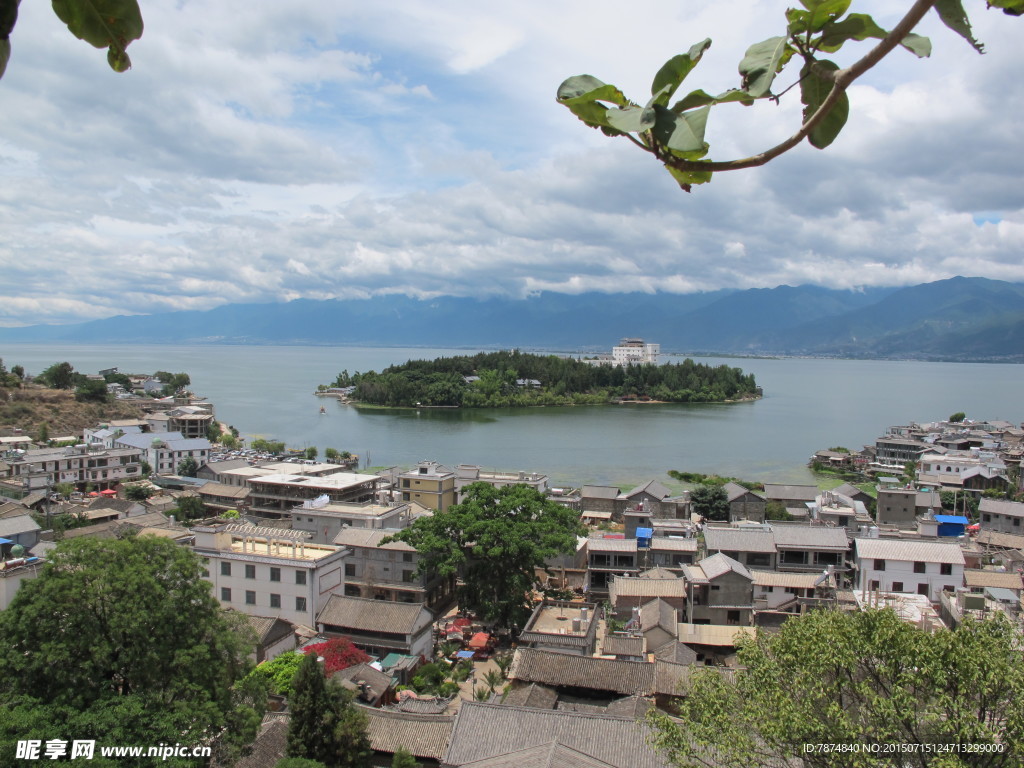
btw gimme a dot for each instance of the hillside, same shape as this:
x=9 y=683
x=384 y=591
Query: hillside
x=27 y=408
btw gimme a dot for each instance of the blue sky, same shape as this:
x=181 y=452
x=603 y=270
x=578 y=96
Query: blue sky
x=322 y=150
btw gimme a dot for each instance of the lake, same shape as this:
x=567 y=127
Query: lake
x=808 y=404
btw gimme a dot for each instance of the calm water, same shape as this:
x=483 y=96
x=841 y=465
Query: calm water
x=808 y=405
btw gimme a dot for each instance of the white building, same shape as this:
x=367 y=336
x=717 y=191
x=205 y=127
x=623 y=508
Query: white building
x=269 y=572
x=918 y=567
x=166 y=450
x=79 y=465
x=635 y=351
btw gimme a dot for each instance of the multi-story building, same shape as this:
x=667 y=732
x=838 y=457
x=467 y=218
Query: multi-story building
x=325 y=520
x=921 y=567
x=277 y=495
x=164 y=451
x=465 y=474
x=970 y=471
x=430 y=484
x=721 y=591
x=270 y=572
x=631 y=351
x=388 y=571
x=79 y=465
x=1001 y=515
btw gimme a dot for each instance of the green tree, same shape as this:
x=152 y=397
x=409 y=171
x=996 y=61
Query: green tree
x=137 y=491
x=311 y=452
x=64 y=489
x=188 y=467
x=673 y=133
x=191 y=508
x=403 y=759
x=58 y=376
x=957 y=417
x=776 y=510
x=496 y=539
x=43 y=433
x=121 y=640
x=331 y=454
x=710 y=502
x=278 y=674
x=866 y=678
x=324 y=724
x=92 y=391
x=229 y=441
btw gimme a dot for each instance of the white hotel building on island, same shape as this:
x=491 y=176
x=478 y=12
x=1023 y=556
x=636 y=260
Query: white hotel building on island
x=629 y=351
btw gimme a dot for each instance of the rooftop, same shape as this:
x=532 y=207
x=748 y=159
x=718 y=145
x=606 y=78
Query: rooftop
x=909 y=551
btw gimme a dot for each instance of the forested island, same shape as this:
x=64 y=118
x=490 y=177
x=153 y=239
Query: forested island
x=513 y=378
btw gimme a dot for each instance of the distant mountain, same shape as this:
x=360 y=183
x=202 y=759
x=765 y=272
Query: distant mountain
x=956 y=319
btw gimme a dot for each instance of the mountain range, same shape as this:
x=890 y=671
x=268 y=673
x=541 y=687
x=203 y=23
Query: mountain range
x=962 y=318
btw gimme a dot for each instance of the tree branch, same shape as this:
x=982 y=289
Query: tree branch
x=843 y=78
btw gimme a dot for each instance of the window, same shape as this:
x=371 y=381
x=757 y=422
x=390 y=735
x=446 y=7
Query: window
x=715 y=587
x=946 y=569
x=275 y=601
x=300 y=577
x=920 y=568
x=275 y=574
x=769 y=589
x=250 y=571
x=407 y=557
x=407 y=576
x=986 y=518
x=225 y=594
x=897 y=586
x=879 y=565
x=732 y=617
x=225 y=569
x=350 y=569
x=922 y=589
x=1016 y=522
x=250 y=597
x=300 y=604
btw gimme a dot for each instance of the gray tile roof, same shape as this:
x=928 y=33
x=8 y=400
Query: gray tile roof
x=12 y=526
x=794 y=492
x=718 y=565
x=910 y=551
x=484 y=731
x=533 y=695
x=553 y=755
x=599 y=492
x=564 y=671
x=810 y=537
x=622 y=645
x=422 y=735
x=1002 y=507
x=651 y=487
x=373 y=615
x=979 y=578
x=738 y=540
x=673 y=544
x=735 y=491
x=625 y=586
x=270 y=745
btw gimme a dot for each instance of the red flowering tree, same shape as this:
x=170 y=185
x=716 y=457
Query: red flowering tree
x=339 y=653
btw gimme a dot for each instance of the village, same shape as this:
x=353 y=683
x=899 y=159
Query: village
x=660 y=586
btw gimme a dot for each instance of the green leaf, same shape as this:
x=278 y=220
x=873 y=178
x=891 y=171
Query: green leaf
x=1010 y=7
x=109 y=24
x=918 y=45
x=954 y=16
x=582 y=88
x=687 y=178
x=675 y=70
x=797 y=21
x=701 y=98
x=8 y=17
x=825 y=12
x=760 y=65
x=814 y=89
x=631 y=119
x=856 y=26
x=5 y=55
x=682 y=134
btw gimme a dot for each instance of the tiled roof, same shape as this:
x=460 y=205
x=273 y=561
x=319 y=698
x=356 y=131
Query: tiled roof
x=12 y=526
x=979 y=578
x=378 y=681
x=611 y=545
x=270 y=745
x=373 y=615
x=792 y=492
x=734 y=491
x=778 y=579
x=599 y=492
x=658 y=613
x=484 y=731
x=633 y=707
x=909 y=551
x=422 y=735
x=674 y=679
x=999 y=539
x=422 y=706
x=563 y=670
x=718 y=565
x=657 y=573
x=651 y=487
x=738 y=540
x=553 y=755
x=622 y=645
x=224 y=491
x=533 y=695
x=712 y=634
x=624 y=586
x=810 y=537
x=1002 y=507
x=673 y=544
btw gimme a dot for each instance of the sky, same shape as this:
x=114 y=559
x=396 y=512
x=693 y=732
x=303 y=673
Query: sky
x=263 y=152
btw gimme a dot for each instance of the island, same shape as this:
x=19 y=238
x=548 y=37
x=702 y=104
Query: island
x=512 y=378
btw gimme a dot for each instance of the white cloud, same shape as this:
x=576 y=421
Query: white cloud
x=313 y=150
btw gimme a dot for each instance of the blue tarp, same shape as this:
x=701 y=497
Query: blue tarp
x=959 y=519
x=465 y=655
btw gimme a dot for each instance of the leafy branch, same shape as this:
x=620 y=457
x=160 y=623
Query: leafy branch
x=675 y=135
